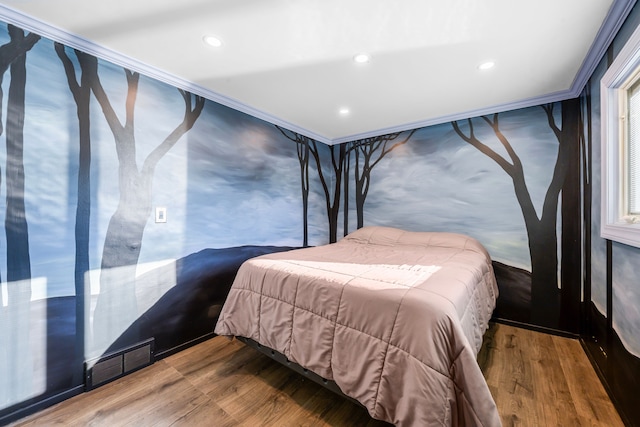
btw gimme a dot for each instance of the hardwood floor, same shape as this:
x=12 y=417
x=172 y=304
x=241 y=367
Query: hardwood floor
x=536 y=380
x=543 y=380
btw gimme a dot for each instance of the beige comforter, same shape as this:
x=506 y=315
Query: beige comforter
x=395 y=318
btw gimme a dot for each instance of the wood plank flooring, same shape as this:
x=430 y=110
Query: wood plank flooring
x=536 y=380
x=543 y=380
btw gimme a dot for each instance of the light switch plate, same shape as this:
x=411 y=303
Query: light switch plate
x=161 y=214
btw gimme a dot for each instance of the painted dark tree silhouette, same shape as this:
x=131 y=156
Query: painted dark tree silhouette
x=541 y=230
x=116 y=306
x=81 y=92
x=368 y=152
x=571 y=136
x=305 y=147
x=13 y=55
x=302 y=148
x=346 y=172
x=586 y=146
x=18 y=260
x=332 y=201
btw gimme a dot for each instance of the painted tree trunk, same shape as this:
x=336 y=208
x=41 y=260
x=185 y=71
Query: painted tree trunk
x=18 y=262
x=303 y=158
x=17 y=232
x=360 y=199
x=116 y=309
x=14 y=311
x=345 y=186
x=82 y=96
x=571 y=267
x=361 y=187
x=333 y=206
x=545 y=295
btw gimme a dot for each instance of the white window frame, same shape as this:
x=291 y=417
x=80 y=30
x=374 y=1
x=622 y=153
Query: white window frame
x=614 y=225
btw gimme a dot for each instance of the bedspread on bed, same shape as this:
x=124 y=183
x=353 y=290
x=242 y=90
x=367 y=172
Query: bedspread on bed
x=395 y=318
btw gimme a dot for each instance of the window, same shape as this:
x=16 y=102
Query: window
x=632 y=153
x=620 y=109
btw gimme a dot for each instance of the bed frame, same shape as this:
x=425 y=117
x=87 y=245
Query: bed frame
x=281 y=358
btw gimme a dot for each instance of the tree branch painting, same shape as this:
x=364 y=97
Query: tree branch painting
x=541 y=229
x=116 y=307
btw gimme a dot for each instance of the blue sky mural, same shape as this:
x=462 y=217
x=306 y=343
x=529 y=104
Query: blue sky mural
x=626 y=293
x=615 y=351
x=233 y=180
x=598 y=245
x=626 y=317
x=437 y=181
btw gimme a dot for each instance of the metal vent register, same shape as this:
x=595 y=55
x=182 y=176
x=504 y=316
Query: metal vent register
x=115 y=365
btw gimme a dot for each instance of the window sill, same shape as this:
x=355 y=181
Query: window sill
x=622 y=232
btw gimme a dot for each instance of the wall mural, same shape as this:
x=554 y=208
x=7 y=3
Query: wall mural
x=92 y=149
x=541 y=228
x=14 y=314
x=499 y=178
x=613 y=297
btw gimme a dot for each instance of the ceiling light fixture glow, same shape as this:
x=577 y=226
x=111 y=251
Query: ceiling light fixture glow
x=212 y=41
x=343 y=111
x=362 y=58
x=486 y=65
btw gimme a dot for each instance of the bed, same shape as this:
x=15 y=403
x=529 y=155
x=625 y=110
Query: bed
x=394 y=318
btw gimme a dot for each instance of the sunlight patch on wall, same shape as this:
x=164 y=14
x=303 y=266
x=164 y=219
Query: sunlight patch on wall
x=39 y=288
x=119 y=296
x=23 y=344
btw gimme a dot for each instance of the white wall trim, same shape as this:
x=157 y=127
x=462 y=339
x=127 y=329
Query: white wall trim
x=612 y=23
x=612 y=225
x=524 y=103
x=74 y=41
x=616 y=16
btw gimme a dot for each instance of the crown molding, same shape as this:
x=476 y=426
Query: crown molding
x=500 y=108
x=616 y=16
x=74 y=41
x=618 y=13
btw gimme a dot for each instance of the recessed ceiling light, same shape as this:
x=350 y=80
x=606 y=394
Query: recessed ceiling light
x=486 y=65
x=212 y=40
x=362 y=58
x=343 y=111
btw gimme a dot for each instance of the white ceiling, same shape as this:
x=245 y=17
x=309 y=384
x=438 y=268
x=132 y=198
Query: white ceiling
x=290 y=61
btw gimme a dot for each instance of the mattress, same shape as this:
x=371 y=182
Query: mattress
x=394 y=318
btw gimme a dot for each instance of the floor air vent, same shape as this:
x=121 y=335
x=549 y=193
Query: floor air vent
x=115 y=365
